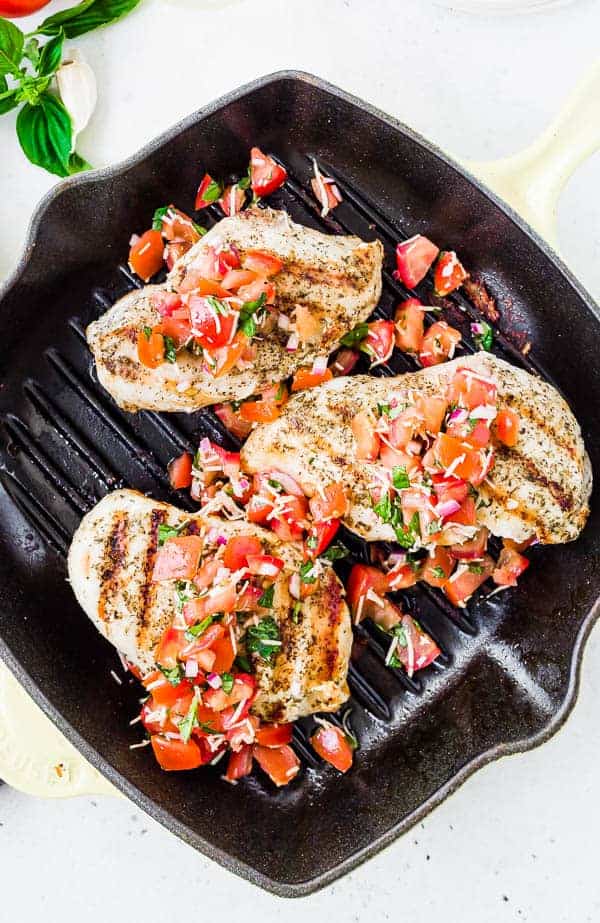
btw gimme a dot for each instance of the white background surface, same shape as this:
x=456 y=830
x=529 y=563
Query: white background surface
x=520 y=840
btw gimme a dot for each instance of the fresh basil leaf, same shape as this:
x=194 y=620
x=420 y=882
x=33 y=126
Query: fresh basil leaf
x=384 y=508
x=11 y=47
x=248 y=326
x=249 y=307
x=165 y=532
x=200 y=230
x=170 y=351
x=439 y=572
x=307 y=574
x=31 y=50
x=243 y=183
x=400 y=477
x=147 y=332
x=173 y=674
x=485 y=339
x=335 y=552
x=196 y=630
x=217 y=305
x=475 y=569
x=296 y=610
x=266 y=600
x=383 y=410
x=8 y=98
x=44 y=133
x=263 y=639
x=212 y=192
x=242 y=663
x=356 y=336
x=77 y=164
x=51 y=54
x=207 y=728
x=87 y=15
x=157 y=218
x=227 y=682
x=186 y=726
x=406 y=536
x=274 y=484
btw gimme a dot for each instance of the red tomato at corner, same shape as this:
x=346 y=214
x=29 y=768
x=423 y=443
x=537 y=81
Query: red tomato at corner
x=15 y=8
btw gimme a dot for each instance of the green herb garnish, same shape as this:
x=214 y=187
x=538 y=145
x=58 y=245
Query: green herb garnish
x=170 y=351
x=212 y=192
x=307 y=574
x=174 y=675
x=227 y=682
x=296 y=610
x=439 y=572
x=165 y=532
x=400 y=477
x=475 y=568
x=186 y=726
x=263 y=639
x=196 y=630
x=335 y=552
x=266 y=600
x=485 y=339
x=356 y=336
x=247 y=312
x=158 y=217
x=147 y=332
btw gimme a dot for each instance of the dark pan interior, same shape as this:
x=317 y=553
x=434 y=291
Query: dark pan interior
x=508 y=672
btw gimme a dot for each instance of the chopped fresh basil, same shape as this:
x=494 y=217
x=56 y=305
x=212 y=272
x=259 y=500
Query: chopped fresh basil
x=147 y=332
x=485 y=339
x=356 y=336
x=227 y=682
x=186 y=726
x=199 y=229
x=435 y=526
x=173 y=674
x=242 y=663
x=406 y=536
x=383 y=410
x=400 y=477
x=335 y=552
x=296 y=610
x=216 y=305
x=212 y=192
x=196 y=630
x=389 y=510
x=475 y=569
x=439 y=572
x=311 y=542
x=247 y=312
x=235 y=405
x=280 y=392
x=266 y=600
x=170 y=351
x=206 y=728
x=243 y=183
x=274 y=484
x=384 y=508
x=157 y=220
x=165 y=532
x=263 y=639
x=307 y=574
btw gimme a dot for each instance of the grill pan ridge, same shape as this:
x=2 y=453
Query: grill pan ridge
x=508 y=673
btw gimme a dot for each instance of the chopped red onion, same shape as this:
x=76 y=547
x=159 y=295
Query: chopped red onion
x=134 y=239
x=214 y=680
x=319 y=365
x=221 y=540
x=283 y=322
x=191 y=669
x=295 y=586
x=292 y=343
x=447 y=508
x=459 y=415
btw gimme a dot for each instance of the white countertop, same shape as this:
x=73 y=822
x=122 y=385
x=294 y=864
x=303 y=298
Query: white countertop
x=519 y=840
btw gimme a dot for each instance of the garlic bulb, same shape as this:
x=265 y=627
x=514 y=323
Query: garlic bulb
x=77 y=90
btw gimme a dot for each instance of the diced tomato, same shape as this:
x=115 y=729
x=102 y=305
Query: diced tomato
x=146 y=255
x=295 y=512
x=258 y=509
x=477 y=436
x=468 y=578
x=332 y=745
x=237 y=550
x=379 y=342
x=253 y=290
x=243 y=690
x=232 y=420
x=449 y=273
x=236 y=278
x=421 y=651
x=509 y=568
x=507 y=427
x=220 y=599
x=466 y=515
x=248 y=601
x=286 y=531
x=224 y=654
x=363 y=578
x=467 y=389
x=438 y=567
x=195 y=281
x=178 y=558
x=228 y=356
x=405 y=426
x=471 y=465
x=449 y=488
x=306 y=324
x=228 y=257
x=320 y=537
x=394 y=458
x=280 y=763
x=154 y=718
x=439 y=344
x=260 y=411
x=173 y=251
x=169 y=646
x=262 y=263
x=232 y=200
x=265 y=174
x=178 y=327
x=180 y=471
x=162 y=691
x=240 y=764
x=208 y=192
x=414 y=257
x=177 y=226
x=306 y=378
x=367 y=440
x=326 y=192
x=409 y=327
x=433 y=410
x=264 y=565
x=330 y=503
x=151 y=347
x=274 y=735
x=472 y=549
x=402 y=576
x=173 y=754
x=213 y=321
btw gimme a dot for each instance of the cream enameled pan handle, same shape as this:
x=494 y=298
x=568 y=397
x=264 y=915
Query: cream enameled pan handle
x=34 y=755
x=532 y=180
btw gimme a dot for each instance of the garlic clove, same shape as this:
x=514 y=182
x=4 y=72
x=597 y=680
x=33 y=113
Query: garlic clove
x=78 y=91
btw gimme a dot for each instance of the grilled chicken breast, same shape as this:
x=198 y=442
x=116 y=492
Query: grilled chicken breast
x=337 y=279
x=541 y=487
x=110 y=564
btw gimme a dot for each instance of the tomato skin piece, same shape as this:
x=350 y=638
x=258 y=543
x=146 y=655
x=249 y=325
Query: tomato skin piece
x=232 y=200
x=169 y=646
x=146 y=255
x=280 y=763
x=394 y=458
x=179 y=227
x=240 y=763
x=151 y=349
x=414 y=257
x=258 y=509
x=379 y=342
x=447 y=449
x=332 y=193
x=262 y=263
x=473 y=549
x=510 y=566
x=425 y=649
x=344 y=362
x=507 y=425
x=409 y=325
x=442 y=559
x=232 y=420
x=228 y=356
x=180 y=471
x=265 y=174
x=237 y=550
x=433 y=410
x=304 y=379
x=321 y=535
x=439 y=344
x=449 y=488
x=449 y=274
x=178 y=558
x=362 y=578
x=466 y=515
x=331 y=504
x=173 y=755
x=367 y=440
x=274 y=735
x=402 y=577
x=331 y=744
x=208 y=192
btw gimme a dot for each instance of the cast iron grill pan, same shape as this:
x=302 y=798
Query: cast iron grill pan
x=506 y=675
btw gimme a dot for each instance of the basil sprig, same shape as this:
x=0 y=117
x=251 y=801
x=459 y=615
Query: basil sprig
x=86 y=16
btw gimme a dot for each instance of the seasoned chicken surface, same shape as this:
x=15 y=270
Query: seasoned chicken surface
x=336 y=279
x=540 y=488
x=111 y=561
